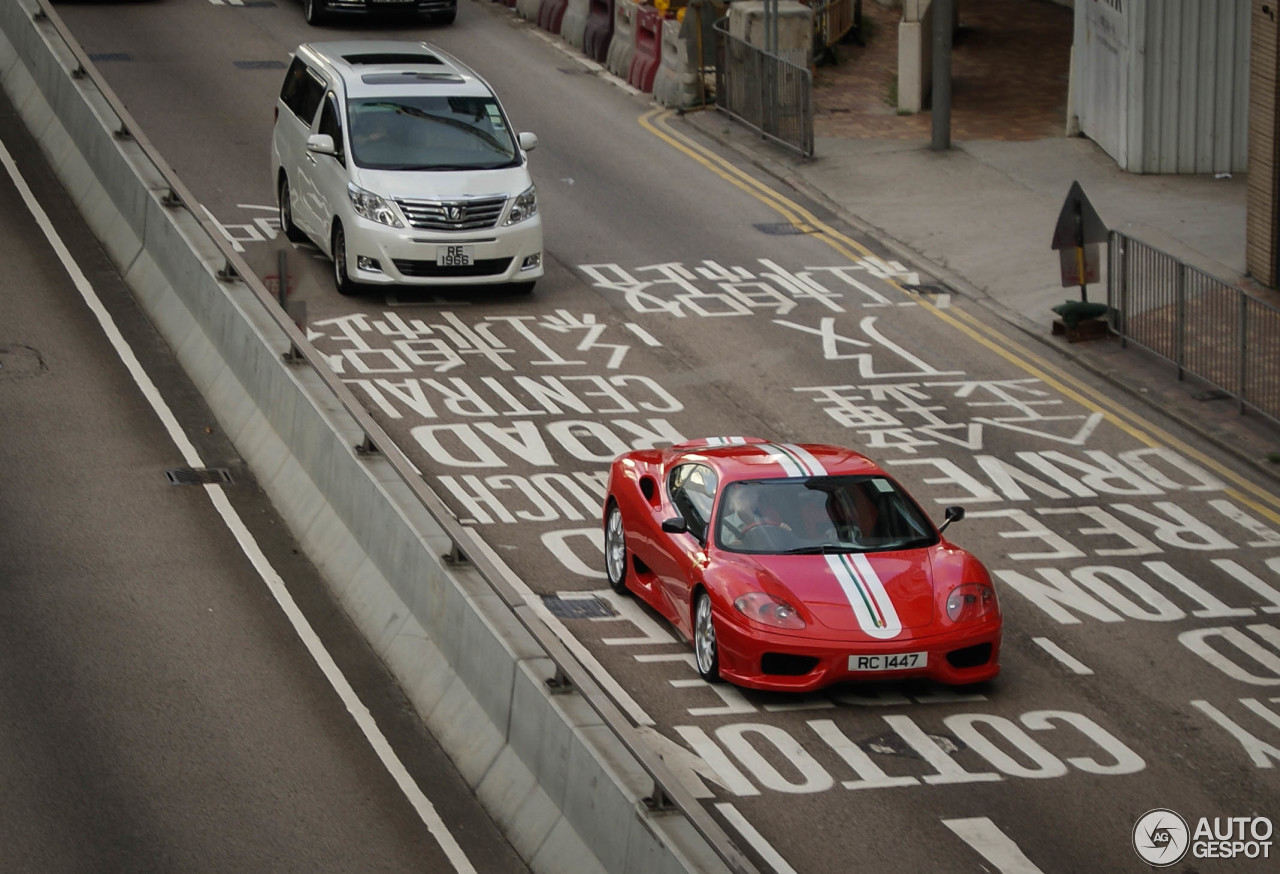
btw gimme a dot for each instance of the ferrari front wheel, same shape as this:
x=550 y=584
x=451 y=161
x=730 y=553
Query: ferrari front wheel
x=615 y=551
x=704 y=640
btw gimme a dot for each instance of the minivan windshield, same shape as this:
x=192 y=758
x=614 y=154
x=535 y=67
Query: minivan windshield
x=430 y=133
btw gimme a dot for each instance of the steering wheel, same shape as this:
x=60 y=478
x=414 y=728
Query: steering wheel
x=763 y=523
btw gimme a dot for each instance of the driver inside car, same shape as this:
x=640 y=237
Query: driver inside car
x=749 y=521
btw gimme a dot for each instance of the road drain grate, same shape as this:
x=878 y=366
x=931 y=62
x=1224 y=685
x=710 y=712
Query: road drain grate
x=110 y=56
x=783 y=229
x=259 y=65
x=193 y=476
x=577 y=608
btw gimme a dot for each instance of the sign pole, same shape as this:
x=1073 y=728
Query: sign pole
x=1084 y=289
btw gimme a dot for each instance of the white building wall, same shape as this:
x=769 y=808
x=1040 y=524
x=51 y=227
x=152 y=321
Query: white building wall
x=1162 y=85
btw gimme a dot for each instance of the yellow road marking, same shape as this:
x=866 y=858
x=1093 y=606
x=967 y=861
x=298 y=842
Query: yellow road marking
x=1141 y=429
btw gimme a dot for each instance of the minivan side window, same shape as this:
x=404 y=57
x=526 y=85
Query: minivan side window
x=302 y=91
x=331 y=124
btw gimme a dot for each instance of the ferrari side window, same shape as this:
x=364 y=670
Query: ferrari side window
x=693 y=491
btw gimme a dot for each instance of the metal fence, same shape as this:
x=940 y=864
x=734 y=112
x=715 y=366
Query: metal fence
x=832 y=22
x=1206 y=327
x=764 y=91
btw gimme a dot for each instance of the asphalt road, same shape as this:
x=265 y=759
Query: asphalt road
x=159 y=712
x=686 y=297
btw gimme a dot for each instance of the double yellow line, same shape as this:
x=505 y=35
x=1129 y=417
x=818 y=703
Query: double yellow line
x=1263 y=501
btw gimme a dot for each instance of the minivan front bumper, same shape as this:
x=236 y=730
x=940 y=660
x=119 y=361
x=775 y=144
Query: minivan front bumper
x=408 y=256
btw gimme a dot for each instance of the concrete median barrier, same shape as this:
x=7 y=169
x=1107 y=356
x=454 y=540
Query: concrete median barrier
x=622 y=48
x=551 y=14
x=648 y=54
x=598 y=31
x=528 y=9
x=564 y=787
x=573 y=26
x=676 y=82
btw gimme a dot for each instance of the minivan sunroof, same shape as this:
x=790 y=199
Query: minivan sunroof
x=397 y=58
x=407 y=77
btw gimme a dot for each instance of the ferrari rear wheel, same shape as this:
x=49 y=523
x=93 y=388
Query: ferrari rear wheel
x=615 y=551
x=704 y=640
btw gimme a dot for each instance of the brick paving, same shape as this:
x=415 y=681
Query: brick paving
x=1010 y=65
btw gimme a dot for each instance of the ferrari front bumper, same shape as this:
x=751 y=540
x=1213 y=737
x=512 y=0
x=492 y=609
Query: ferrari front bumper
x=762 y=659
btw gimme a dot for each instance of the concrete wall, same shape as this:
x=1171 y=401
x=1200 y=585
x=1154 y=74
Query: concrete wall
x=564 y=789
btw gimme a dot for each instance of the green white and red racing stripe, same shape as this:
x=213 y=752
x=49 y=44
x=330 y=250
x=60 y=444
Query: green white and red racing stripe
x=794 y=460
x=862 y=586
x=725 y=441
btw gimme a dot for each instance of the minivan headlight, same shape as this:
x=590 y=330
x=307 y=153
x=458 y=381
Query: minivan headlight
x=525 y=205
x=372 y=207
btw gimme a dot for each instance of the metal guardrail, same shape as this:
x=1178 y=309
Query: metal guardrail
x=764 y=91
x=570 y=674
x=1209 y=328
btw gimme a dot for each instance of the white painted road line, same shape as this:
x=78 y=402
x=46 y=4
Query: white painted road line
x=364 y=719
x=1063 y=656
x=755 y=839
x=994 y=845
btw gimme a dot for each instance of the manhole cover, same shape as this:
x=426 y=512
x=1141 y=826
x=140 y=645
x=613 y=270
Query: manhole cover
x=577 y=608
x=194 y=476
x=17 y=362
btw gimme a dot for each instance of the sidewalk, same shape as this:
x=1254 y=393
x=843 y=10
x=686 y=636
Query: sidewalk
x=980 y=216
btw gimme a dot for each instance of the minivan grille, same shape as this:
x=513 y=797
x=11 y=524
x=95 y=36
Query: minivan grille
x=481 y=267
x=452 y=215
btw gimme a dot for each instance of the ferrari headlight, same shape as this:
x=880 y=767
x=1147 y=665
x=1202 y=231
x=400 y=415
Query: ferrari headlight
x=372 y=207
x=768 y=610
x=970 y=602
x=525 y=205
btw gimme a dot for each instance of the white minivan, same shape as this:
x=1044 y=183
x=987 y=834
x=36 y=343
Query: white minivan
x=398 y=162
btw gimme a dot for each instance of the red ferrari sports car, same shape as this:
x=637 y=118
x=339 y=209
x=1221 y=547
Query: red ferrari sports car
x=791 y=567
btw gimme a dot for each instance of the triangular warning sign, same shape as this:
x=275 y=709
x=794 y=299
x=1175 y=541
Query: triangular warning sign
x=1078 y=223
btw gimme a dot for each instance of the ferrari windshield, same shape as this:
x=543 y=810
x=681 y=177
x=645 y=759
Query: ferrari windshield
x=820 y=515
x=430 y=133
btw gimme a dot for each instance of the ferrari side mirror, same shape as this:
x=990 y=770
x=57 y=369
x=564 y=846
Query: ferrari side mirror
x=675 y=525
x=951 y=514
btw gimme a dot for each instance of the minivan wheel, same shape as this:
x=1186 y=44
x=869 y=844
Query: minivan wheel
x=314 y=11
x=291 y=231
x=340 y=278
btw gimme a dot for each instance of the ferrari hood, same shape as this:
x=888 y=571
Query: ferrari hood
x=878 y=594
